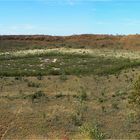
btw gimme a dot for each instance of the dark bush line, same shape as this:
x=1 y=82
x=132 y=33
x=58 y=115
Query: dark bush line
x=74 y=71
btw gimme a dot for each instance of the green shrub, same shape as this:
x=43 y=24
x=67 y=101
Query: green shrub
x=39 y=77
x=135 y=94
x=115 y=106
x=60 y=95
x=83 y=95
x=92 y=131
x=77 y=119
x=18 y=78
x=32 y=84
x=37 y=96
x=63 y=76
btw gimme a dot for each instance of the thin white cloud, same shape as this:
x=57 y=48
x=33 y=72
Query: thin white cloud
x=23 y=27
x=69 y=2
x=122 y=22
x=17 y=29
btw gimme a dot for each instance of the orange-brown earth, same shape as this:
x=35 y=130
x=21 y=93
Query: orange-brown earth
x=74 y=41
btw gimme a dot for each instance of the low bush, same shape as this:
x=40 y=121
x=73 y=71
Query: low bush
x=93 y=132
x=135 y=94
x=37 y=96
x=32 y=84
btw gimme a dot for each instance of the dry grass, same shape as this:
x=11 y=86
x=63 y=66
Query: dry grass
x=62 y=113
x=93 y=52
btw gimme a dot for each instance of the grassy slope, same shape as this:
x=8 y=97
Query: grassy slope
x=69 y=64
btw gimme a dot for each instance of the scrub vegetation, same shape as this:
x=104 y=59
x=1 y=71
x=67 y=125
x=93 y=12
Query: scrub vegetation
x=76 y=87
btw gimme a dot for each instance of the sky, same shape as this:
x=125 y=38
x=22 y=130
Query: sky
x=69 y=17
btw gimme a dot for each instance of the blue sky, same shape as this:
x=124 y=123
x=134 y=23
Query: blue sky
x=67 y=17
